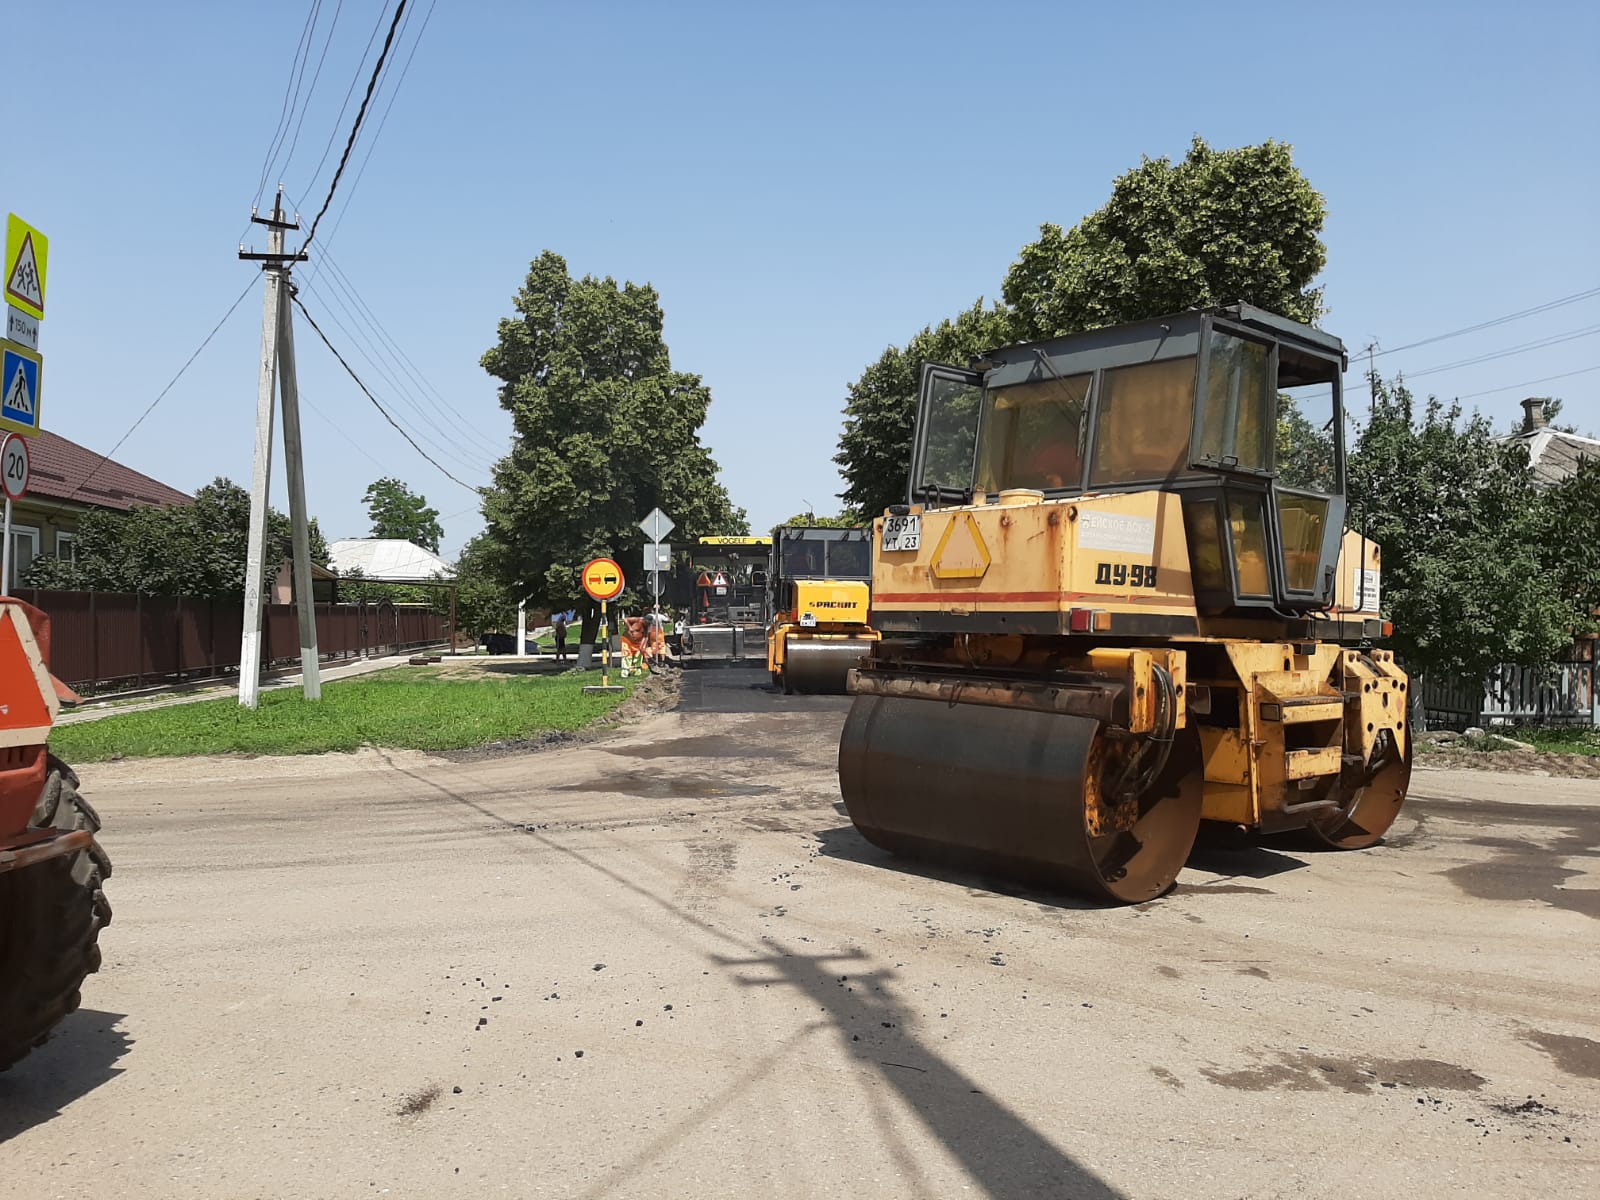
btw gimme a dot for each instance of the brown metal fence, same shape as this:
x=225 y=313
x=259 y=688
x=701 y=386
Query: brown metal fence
x=100 y=639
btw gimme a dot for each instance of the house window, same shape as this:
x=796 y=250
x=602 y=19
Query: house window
x=24 y=549
x=67 y=546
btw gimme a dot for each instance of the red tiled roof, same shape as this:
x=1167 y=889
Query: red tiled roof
x=63 y=470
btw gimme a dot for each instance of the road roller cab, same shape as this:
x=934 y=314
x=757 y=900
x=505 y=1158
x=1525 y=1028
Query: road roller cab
x=820 y=580
x=1120 y=599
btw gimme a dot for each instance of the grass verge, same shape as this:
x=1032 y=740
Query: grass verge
x=405 y=708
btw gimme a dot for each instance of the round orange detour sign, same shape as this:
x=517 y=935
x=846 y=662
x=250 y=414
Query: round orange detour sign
x=602 y=578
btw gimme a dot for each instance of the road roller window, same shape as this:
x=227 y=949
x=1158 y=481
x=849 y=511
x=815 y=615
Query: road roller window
x=1248 y=530
x=1233 y=422
x=1303 y=522
x=1033 y=435
x=951 y=400
x=849 y=560
x=1307 y=456
x=1206 y=563
x=1144 y=424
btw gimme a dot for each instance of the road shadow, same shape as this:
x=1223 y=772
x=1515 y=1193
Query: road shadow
x=844 y=842
x=1002 y=1152
x=79 y=1057
x=1227 y=851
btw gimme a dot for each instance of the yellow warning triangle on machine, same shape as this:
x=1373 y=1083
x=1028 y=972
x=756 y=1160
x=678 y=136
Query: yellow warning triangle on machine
x=23 y=281
x=18 y=398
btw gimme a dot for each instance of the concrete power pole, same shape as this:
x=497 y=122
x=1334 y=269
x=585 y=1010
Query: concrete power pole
x=277 y=369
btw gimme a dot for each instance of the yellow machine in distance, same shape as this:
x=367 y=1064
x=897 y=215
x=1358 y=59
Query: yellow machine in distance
x=1121 y=600
x=820 y=581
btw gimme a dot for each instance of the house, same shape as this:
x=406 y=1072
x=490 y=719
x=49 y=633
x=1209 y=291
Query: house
x=66 y=481
x=388 y=560
x=1553 y=454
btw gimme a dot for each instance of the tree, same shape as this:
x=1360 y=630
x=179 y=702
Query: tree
x=842 y=521
x=483 y=603
x=1466 y=575
x=881 y=408
x=1219 y=226
x=605 y=430
x=398 y=512
x=195 y=549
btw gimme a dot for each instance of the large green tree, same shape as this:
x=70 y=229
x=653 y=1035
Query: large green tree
x=195 y=549
x=881 y=407
x=605 y=430
x=398 y=512
x=1216 y=227
x=1467 y=575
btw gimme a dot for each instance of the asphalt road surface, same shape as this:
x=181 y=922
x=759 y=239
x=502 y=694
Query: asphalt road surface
x=664 y=965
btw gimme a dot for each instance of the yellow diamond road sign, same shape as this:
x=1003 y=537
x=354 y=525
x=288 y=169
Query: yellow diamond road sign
x=27 y=259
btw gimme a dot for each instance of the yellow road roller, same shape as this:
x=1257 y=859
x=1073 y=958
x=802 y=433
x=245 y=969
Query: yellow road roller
x=820 y=580
x=1121 y=600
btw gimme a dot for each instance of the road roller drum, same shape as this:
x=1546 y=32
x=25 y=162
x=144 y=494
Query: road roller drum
x=820 y=667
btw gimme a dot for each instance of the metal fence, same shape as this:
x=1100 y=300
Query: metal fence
x=104 y=639
x=1555 y=694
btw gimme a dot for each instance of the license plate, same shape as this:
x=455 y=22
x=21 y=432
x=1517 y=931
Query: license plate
x=902 y=533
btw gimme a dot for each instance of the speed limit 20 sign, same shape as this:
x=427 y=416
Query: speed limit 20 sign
x=14 y=466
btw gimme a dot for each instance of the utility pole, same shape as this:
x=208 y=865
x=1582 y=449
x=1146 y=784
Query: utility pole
x=276 y=341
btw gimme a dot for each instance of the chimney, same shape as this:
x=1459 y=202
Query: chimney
x=1532 y=414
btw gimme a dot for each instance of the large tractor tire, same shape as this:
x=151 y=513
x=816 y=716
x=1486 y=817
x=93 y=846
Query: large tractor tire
x=50 y=921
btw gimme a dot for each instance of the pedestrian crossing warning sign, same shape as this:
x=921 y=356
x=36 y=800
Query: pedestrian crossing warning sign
x=20 y=372
x=27 y=258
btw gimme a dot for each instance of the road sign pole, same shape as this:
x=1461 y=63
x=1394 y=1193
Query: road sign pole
x=299 y=523
x=605 y=637
x=5 y=555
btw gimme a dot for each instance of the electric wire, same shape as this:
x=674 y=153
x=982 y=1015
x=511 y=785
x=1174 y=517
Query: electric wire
x=386 y=343
x=1553 y=340
x=355 y=128
x=160 y=396
x=420 y=432
x=366 y=391
x=1511 y=387
x=297 y=68
x=312 y=91
x=372 y=143
x=1490 y=324
x=338 y=121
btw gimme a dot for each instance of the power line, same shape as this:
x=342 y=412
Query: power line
x=316 y=75
x=366 y=391
x=1553 y=340
x=1511 y=387
x=1482 y=325
x=355 y=129
x=302 y=51
x=443 y=448
x=161 y=395
x=355 y=79
x=372 y=145
x=386 y=343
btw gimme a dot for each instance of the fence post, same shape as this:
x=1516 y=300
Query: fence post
x=138 y=624
x=94 y=641
x=177 y=626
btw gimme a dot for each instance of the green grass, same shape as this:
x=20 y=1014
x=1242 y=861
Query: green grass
x=404 y=708
x=1561 y=739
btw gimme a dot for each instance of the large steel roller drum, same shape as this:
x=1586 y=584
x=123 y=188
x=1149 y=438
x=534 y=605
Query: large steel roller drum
x=1003 y=791
x=820 y=665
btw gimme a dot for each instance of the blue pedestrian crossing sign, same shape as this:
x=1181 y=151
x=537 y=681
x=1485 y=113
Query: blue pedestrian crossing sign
x=21 y=371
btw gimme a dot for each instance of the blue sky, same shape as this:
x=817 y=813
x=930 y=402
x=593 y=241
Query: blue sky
x=804 y=184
